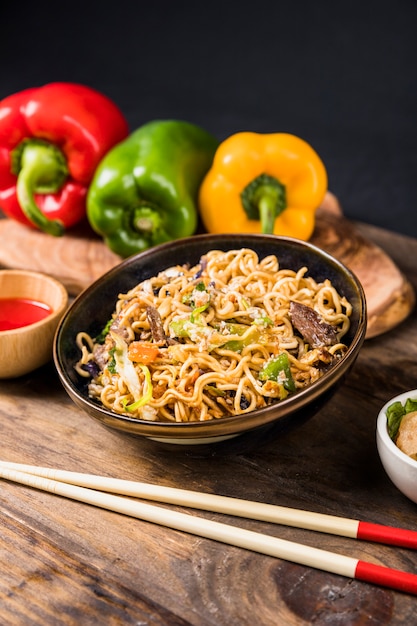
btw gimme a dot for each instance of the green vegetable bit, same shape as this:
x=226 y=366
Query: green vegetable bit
x=395 y=413
x=101 y=337
x=111 y=366
x=237 y=345
x=279 y=370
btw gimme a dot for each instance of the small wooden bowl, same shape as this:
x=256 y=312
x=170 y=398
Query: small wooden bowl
x=29 y=347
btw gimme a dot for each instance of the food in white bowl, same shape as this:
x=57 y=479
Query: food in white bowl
x=402 y=425
x=397 y=441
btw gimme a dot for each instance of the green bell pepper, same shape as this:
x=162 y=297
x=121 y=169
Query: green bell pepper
x=279 y=370
x=144 y=191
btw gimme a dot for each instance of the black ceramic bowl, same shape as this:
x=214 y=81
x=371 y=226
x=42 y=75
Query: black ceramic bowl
x=94 y=306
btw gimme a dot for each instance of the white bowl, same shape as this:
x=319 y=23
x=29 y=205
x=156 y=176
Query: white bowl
x=401 y=469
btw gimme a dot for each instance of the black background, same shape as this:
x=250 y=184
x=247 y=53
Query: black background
x=341 y=75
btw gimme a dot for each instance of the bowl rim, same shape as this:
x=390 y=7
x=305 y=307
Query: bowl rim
x=55 y=313
x=382 y=430
x=232 y=423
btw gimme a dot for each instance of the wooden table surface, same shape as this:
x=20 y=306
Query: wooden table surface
x=63 y=562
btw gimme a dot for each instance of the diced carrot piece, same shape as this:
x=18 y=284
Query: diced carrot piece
x=141 y=352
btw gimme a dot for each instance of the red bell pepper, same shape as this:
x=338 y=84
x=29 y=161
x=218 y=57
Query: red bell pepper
x=51 y=141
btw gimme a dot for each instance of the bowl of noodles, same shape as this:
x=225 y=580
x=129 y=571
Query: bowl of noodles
x=202 y=339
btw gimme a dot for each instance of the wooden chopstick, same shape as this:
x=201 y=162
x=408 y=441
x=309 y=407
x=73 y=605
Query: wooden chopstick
x=308 y=520
x=232 y=535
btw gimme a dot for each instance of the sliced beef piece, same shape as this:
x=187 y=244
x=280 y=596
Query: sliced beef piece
x=157 y=329
x=311 y=326
x=101 y=355
x=120 y=330
x=156 y=326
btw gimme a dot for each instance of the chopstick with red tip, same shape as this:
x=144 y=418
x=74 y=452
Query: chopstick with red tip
x=320 y=522
x=386 y=534
x=228 y=534
x=275 y=514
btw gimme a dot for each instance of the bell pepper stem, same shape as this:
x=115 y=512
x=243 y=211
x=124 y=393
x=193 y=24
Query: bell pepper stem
x=264 y=199
x=148 y=222
x=267 y=213
x=40 y=168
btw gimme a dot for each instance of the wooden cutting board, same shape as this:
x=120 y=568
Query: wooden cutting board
x=80 y=257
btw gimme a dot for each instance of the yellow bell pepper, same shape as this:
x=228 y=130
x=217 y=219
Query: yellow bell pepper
x=269 y=183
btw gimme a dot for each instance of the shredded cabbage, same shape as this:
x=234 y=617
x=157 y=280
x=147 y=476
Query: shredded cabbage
x=126 y=370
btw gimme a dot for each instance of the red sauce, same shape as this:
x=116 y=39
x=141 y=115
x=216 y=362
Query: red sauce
x=18 y=312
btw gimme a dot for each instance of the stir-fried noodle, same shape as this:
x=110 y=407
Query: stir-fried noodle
x=227 y=336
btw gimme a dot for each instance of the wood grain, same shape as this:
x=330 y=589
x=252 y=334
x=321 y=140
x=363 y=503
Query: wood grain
x=63 y=562
x=389 y=294
x=79 y=258
x=76 y=259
